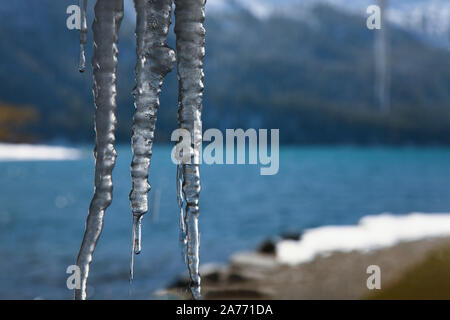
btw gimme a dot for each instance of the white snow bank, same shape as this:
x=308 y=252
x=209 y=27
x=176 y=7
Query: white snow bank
x=28 y=152
x=370 y=233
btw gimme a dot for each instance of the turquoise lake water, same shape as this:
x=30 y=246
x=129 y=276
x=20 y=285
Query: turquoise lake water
x=44 y=207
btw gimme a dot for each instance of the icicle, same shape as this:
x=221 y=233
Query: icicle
x=180 y=199
x=108 y=16
x=190 y=38
x=83 y=36
x=154 y=60
x=182 y=224
x=135 y=242
x=382 y=86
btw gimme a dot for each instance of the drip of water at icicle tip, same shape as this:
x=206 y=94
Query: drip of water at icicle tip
x=83 y=36
x=137 y=226
x=135 y=242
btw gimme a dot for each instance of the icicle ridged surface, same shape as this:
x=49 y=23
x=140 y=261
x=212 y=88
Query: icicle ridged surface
x=83 y=36
x=108 y=16
x=190 y=39
x=154 y=60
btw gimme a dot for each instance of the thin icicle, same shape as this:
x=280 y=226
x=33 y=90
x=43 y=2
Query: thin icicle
x=83 y=36
x=191 y=189
x=154 y=60
x=190 y=34
x=108 y=16
x=135 y=242
x=180 y=200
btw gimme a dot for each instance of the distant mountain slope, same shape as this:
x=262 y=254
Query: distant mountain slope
x=313 y=77
x=430 y=18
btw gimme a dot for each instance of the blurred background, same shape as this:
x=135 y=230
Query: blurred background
x=307 y=67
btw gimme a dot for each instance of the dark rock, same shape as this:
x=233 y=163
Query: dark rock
x=211 y=277
x=236 y=277
x=180 y=282
x=267 y=247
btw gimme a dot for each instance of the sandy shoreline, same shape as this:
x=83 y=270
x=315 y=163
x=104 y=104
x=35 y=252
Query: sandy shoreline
x=339 y=275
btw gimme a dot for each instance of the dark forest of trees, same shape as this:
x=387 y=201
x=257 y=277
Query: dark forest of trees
x=314 y=81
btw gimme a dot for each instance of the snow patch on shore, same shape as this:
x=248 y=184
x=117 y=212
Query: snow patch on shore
x=372 y=232
x=29 y=152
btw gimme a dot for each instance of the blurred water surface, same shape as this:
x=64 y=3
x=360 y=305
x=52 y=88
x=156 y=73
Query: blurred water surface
x=43 y=207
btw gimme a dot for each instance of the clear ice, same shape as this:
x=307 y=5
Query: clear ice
x=190 y=42
x=83 y=36
x=180 y=199
x=154 y=60
x=108 y=16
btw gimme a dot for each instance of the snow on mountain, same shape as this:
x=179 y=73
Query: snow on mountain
x=426 y=17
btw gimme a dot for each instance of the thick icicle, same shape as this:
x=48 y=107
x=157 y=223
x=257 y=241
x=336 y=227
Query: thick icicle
x=190 y=34
x=83 y=36
x=108 y=16
x=154 y=60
